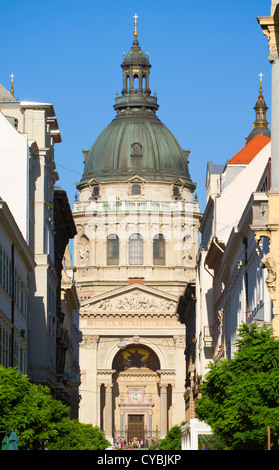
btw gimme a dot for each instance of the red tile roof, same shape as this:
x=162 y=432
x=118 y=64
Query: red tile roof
x=246 y=155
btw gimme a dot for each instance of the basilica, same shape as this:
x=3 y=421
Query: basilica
x=137 y=221
x=123 y=333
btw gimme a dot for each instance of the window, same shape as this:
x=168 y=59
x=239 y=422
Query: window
x=159 y=250
x=176 y=192
x=136 y=149
x=5 y=345
x=136 y=82
x=96 y=191
x=113 y=249
x=136 y=189
x=6 y=273
x=136 y=249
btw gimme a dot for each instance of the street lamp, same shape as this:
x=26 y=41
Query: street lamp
x=122 y=344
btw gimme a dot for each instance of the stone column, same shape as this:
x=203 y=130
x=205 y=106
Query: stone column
x=108 y=413
x=163 y=411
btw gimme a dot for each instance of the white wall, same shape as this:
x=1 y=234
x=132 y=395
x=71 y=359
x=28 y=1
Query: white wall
x=13 y=171
x=236 y=195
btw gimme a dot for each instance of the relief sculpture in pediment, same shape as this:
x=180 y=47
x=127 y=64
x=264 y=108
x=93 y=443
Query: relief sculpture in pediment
x=131 y=302
x=142 y=302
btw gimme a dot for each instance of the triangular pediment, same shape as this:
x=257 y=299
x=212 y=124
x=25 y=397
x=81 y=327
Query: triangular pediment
x=179 y=182
x=133 y=298
x=93 y=182
x=136 y=179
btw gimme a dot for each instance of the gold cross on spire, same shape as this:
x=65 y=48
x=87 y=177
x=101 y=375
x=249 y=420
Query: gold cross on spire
x=12 y=84
x=261 y=78
x=136 y=33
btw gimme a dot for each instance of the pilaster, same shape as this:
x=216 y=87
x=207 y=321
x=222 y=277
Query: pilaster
x=164 y=411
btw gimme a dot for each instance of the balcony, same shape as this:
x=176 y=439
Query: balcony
x=208 y=336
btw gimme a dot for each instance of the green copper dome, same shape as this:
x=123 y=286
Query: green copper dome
x=139 y=146
x=136 y=142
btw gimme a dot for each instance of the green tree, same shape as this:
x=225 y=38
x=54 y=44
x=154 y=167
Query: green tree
x=172 y=441
x=74 y=435
x=240 y=396
x=30 y=411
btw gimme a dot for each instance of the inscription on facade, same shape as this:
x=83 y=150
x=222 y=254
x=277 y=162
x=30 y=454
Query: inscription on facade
x=134 y=323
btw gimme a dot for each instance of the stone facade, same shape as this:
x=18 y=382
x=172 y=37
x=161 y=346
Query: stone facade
x=137 y=238
x=136 y=303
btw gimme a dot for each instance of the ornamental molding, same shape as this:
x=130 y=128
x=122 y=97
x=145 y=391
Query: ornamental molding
x=131 y=301
x=89 y=341
x=179 y=341
x=270 y=28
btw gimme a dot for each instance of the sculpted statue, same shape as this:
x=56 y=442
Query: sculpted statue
x=268 y=262
x=104 y=305
x=84 y=252
x=141 y=302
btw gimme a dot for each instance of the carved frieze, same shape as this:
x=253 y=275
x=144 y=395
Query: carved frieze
x=133 y=303
x=179 y=341
x=136 y=396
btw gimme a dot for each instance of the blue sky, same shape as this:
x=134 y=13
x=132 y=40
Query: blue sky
x=205 y=56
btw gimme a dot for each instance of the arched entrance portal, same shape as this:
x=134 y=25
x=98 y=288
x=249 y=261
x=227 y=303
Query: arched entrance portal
x=136 y=394
x=136 y=357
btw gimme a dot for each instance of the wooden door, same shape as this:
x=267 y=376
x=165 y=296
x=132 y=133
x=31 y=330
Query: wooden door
x=135 y=427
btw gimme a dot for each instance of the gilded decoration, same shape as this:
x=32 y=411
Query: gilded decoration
x=136 y=357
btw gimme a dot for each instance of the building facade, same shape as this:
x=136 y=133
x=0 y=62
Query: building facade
x=267 y=225
x=137 y=236
x=16 y=266
x=67 y=306
x=29 y=132
x=231 y=286
x=29 y=142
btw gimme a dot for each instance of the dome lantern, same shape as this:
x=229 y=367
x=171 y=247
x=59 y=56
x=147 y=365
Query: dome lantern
x=260 y=123
x=136 y=69
x=136 y=142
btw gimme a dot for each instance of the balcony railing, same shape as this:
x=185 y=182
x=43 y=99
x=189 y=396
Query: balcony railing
x=134 y=206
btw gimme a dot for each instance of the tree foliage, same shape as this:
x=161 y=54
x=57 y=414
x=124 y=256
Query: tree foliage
x=74 y=435
x=172 y=441
x=30 y=411
x=240 y=396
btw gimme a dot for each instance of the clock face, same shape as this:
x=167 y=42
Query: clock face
x=136 y=396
